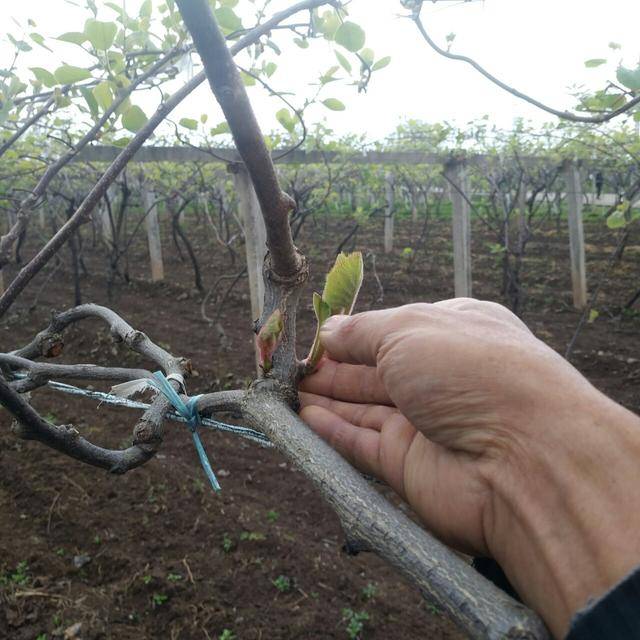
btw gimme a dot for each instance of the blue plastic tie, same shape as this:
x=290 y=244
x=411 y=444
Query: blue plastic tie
x=189 y=411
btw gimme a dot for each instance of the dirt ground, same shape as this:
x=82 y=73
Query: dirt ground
x=155 y=554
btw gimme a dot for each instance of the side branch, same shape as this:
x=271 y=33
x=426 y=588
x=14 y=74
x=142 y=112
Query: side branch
x=43 y=111
x=37 y=374
x=31 y=426
x=148 y=431
x=565 y=115
x=49 y=342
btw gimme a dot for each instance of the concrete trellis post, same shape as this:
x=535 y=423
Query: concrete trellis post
x=152 y=225
x=103 y=216
x=255 y=238
x=461 y=221
x=576 y=234
x=414 y=204
x=389 y=213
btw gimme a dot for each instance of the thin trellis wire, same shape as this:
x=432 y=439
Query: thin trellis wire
x=210 y=423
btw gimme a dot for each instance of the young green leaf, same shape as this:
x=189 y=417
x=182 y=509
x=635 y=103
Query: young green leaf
x=344 y=63
x=227 y=19
x=339 y=297
x=630 y=78
x=74 y=37
x=219 y=129
x=368 y=55
x=351 y=36
x=42 y=75
x=381 y=64
x=285 y=118
x=100 y=34
x=39 y=39
x=329 y=24
x=334 y=104
x=103 y=95
x=67 y=74
x=188 y=123
x=323 y=312
x=90 y=100
x=343 y=283
x=594 y=62
x=134 y=119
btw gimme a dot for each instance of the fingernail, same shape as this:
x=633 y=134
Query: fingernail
x=332 y=323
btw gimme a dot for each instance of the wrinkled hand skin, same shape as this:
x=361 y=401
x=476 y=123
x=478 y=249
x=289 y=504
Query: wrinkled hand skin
x=500 y=446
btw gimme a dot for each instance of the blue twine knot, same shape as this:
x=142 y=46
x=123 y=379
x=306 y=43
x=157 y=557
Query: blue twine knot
x=189 y=411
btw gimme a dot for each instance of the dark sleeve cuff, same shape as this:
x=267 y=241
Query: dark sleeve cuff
x=614 y=616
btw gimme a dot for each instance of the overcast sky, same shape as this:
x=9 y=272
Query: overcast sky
x=538 y=46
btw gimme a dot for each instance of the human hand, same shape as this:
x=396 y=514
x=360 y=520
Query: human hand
x=487 y=433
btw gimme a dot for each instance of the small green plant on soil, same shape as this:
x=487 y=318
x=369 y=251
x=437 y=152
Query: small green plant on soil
x=20 y=576
x=227 y=634
x=227 y=543
x=252 y=536
x=282 y=584
x=147 y=579
x=369 y=592
x=355 y=622
x=272 y=516
x=159 y=599
x=174 y=577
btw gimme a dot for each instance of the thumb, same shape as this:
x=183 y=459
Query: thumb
x=355 y=339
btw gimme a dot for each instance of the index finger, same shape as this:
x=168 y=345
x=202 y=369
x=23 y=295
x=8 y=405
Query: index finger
x=349 y=382
x=356 y=339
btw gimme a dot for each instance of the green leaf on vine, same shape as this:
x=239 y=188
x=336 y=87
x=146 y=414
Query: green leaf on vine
x=103 y=95
x=351 y=36
x=595 y=62
x=339 y=297
x=630 y=78
x=368 y=55
x=334 y=104
x=188 y=123
x=323 y=312
x=74 y=37
x=100 y=34
x=42 y=75
x=381 y=64
x=344 y=63
x=227 y=19
x=134 y=119
x=68 y=74
x=286 y=119
x=343 y=283
x=219 y=129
